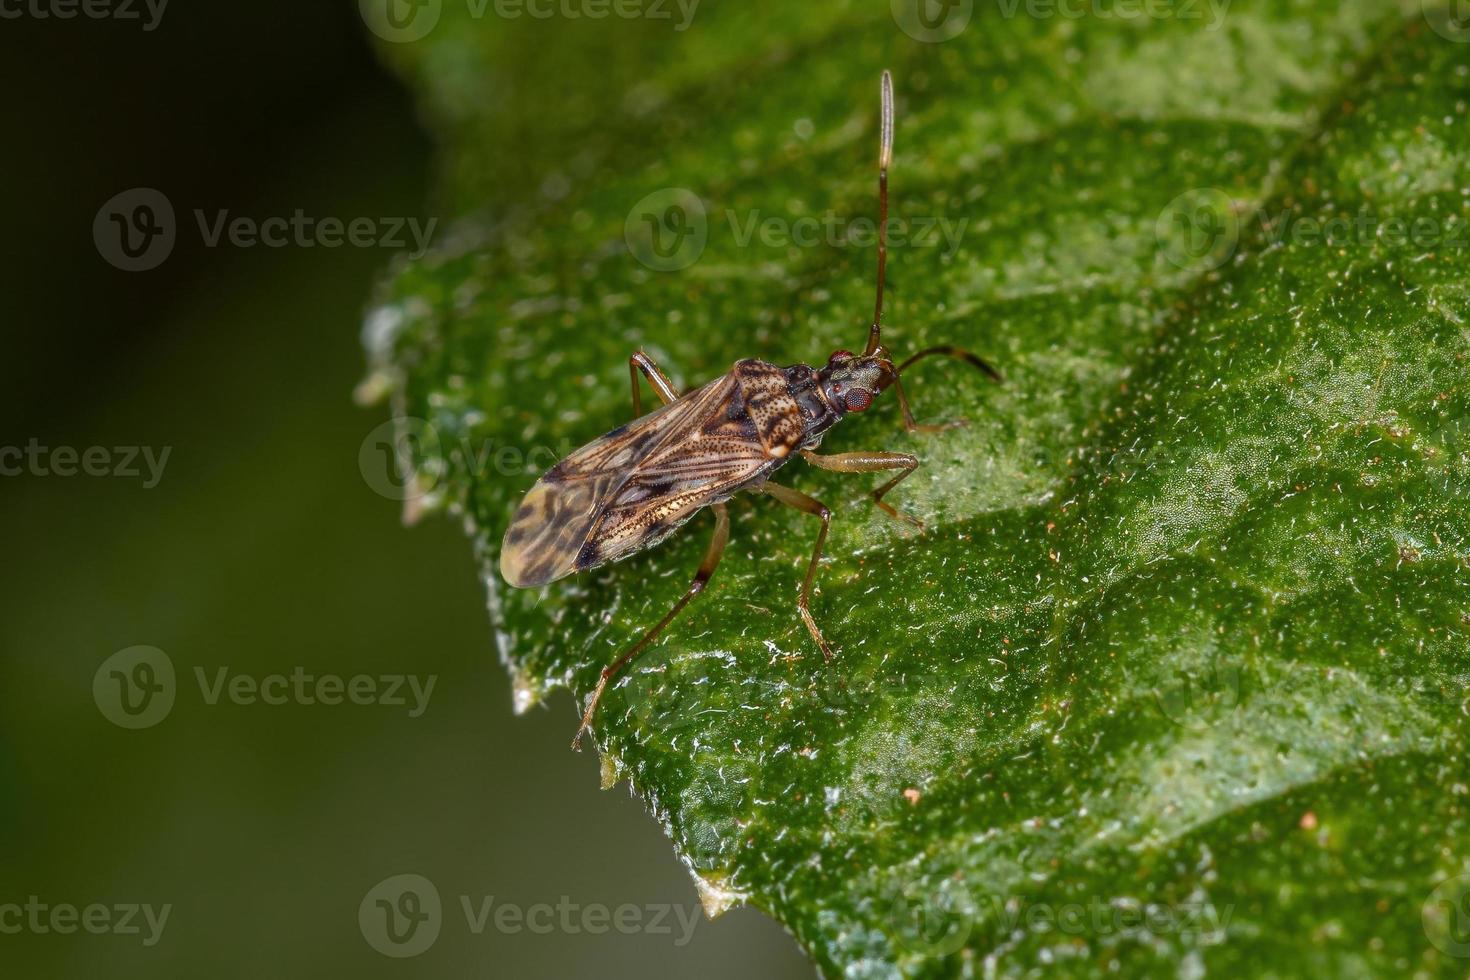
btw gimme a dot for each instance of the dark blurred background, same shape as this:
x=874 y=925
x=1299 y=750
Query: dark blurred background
x=261 y=550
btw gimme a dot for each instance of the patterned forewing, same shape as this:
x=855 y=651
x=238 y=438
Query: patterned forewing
x=668 y=489
x=632 y=487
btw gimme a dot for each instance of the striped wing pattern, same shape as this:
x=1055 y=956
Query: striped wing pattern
x=632 y=487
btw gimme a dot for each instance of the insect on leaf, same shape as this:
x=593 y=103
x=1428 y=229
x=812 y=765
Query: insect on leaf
x=1175 y=681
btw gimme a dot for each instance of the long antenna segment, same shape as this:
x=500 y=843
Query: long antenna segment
x=885 y=159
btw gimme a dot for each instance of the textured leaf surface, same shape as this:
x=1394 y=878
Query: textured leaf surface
x=1176 y=679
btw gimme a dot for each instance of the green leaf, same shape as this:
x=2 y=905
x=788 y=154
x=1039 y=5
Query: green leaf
x=1175 y=680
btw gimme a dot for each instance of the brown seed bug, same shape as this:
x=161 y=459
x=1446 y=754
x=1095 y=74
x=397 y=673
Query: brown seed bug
x=630 y=489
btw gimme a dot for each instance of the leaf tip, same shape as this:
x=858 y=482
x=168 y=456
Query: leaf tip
x=716 y=894
x=611 y=770
x=373 y=390
x=525 y=694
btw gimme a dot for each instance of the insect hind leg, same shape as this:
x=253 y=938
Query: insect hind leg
x=656 y=379
x=701 y=578
x=813 y=506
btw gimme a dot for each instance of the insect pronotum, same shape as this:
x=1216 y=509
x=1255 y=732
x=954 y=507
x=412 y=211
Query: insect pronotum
x=630 y=489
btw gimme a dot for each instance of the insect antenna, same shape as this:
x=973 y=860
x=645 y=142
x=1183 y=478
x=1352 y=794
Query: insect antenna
x=885 y=158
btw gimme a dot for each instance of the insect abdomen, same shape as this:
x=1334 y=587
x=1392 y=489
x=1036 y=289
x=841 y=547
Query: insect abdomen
x=629 y=489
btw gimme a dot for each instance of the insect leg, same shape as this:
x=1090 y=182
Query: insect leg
x=661 y=384
x=701 y=578
x=871 y=463
x=808 y=505
x=903 y=398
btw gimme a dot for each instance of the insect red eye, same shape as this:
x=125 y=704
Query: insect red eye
x=858 y=399
x=840 y=355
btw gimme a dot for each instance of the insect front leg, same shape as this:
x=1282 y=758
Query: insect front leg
x=701 y=578
x=959 y=353
x=656 y=378
x=871 y=463
x=813 y=506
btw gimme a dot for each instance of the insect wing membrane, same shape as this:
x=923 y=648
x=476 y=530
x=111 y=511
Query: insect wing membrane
x=628 y=489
